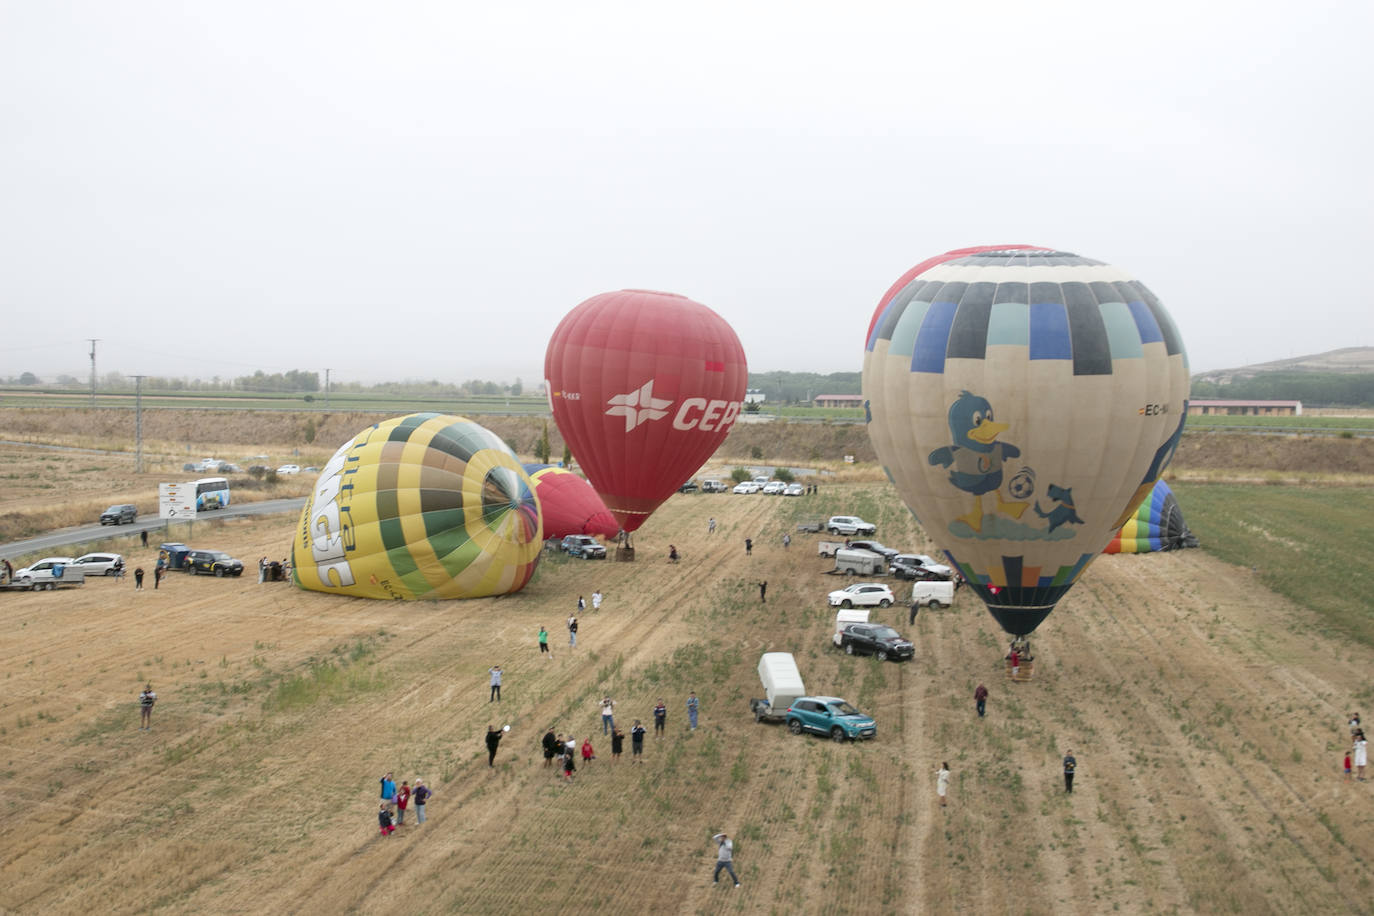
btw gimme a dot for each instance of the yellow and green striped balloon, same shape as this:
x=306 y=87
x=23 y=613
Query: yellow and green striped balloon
x=421 y=506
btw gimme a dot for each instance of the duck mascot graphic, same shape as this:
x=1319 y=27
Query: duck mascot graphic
x=976 y=457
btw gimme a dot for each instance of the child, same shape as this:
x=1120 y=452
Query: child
x=1347 y=766
x=568 y=766
x=384 y=818
x=587 y=753
x=402 y=800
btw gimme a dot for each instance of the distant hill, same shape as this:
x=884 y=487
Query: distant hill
x=1348 y=360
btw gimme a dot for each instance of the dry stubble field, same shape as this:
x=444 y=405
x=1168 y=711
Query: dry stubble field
x=1206 y=717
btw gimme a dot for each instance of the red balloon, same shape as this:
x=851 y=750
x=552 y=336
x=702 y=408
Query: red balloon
x=926 y=265
x=568 y=503
x=644 y=387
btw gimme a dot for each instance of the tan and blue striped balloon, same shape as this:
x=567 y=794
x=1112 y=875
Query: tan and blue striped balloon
x=1023 y=401
x=422 y=506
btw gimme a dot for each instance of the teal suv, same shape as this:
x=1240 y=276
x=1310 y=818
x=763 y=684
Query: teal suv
x=829 y=716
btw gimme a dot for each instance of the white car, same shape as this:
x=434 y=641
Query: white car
x=288 y=469
x=774 y=487
x=849 y=524
x=50 y=572
x=747 y=486
x=863 y=594
x=793 y=489
x=100 y=564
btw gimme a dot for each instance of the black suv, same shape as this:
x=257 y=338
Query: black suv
x=688 y=487
x=213 y=562
x=118 y=515
x=875 y=639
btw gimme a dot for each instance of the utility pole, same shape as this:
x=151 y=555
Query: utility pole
x=93 y=341
x=326 y=389
x=138 y=423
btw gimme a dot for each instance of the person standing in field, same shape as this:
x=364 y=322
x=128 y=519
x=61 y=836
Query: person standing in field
x=1361 y=755
x=596 y=600
x=262 y=570
x=157 y=575
x=942 y=782
x=572 y=630
x=421 y=796
x=495 y=672
x=544 y=642
x=725 y=858
x=588 y=754
x=763 y=592
x=146 y=699
x=138 y=579
x=617 y=743
x=711 y=525
x=637 y=741
x=748 y=547
x=1070 y=765
x=607 y=715
x=402 y=800
x=693 y=705
x=581 y=605
x=1354 y=724
x=786 y=541
x=550 y=747
x=388 y=790
x=569 y=767
x=384 y=819
x=980 y=699
x=494 y=735
x=660 y=718
x=1347 y=766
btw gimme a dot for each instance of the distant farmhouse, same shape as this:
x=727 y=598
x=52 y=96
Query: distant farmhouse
x=1204 y=408
x=839 y=400
x=754 y=396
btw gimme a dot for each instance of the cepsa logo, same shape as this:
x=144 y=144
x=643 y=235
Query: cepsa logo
x=640 y=406
x=1153 y=410
x=328 y=529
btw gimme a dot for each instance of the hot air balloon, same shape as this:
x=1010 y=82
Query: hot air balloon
x=568 y=503
x=1023 y=401
x=1157 y=525
x=644 y=387
x=421 y=506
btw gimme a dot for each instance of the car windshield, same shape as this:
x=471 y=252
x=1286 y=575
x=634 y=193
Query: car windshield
x=886 y=633
x=217 y=555
x=842 y=708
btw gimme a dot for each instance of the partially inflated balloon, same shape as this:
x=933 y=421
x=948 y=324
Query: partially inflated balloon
x=568 y=503
x=644 y=387
x=1157 y=525
x=422 y=506
x=1023 y=401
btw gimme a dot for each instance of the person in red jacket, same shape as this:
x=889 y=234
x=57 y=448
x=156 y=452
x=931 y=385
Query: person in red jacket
x=402 y=799
x=587 y=752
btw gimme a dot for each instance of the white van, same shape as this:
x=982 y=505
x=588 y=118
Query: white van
x=50 y=573
x=782 y=683
x=932 y=593
x=853 y=561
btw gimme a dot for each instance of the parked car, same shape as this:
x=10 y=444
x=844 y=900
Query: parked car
x=746 y=486
x=584 y=546
x=774 y=487
x=875 y=639
x=286 y=470
x=863 y=594
x=688 y=487
x=793 y=489
x=310 y=470
x=849 y=524
x=258 y=470
x=228 y=467
x=213 y=563
x=831 y=716
x=918 y=566
x=188 y=466
x=125 y=513
x=713 y=486
x=100 y=564
x=887 y=553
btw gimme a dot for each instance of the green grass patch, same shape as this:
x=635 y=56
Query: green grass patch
x=1299 y=542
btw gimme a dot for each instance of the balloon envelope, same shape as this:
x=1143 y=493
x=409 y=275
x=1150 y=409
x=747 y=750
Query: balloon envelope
x=568 y=503
x=1157 y=525
x=1023 y=401
x=421 y=506
x=644 y=387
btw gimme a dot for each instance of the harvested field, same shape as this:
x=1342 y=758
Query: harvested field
x=1207 y=719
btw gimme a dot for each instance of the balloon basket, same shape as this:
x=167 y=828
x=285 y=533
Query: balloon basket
x=624 y=554
x=1024 y=672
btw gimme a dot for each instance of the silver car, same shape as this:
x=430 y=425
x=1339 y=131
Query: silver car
x=100 y=564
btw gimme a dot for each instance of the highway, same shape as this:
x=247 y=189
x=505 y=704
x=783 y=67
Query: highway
x=48 y=543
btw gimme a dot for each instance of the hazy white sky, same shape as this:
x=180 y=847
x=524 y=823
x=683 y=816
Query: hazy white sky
x=422 y=190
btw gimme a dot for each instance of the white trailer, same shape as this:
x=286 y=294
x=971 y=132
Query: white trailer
x=49 y=573
x=932 y=593
x=854 y=561
x=782 y=683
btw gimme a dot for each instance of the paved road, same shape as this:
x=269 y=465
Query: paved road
x=88 y=533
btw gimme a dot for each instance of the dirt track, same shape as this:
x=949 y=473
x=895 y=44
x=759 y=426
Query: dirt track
x=1207 y=717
